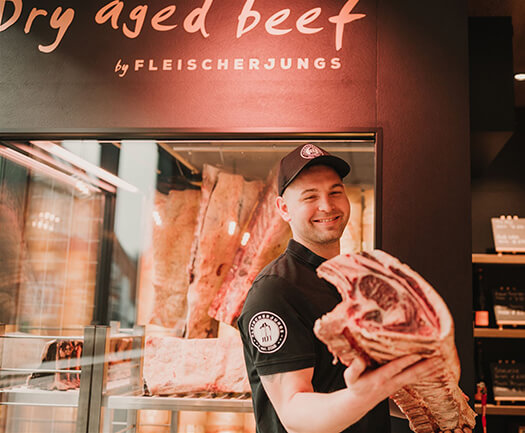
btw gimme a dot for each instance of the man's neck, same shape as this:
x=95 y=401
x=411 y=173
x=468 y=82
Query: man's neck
x=326 y=251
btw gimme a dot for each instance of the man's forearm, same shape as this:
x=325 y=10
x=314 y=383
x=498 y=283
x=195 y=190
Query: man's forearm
x=315 y=412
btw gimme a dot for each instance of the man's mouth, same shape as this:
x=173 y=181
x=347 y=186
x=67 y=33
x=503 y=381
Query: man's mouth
x=326 y=220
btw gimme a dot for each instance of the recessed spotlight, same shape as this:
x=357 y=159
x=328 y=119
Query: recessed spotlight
x=519 y=77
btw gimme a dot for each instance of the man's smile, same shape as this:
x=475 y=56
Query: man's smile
x=326 y=219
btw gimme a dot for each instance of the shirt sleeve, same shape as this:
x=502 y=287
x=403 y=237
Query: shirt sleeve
x=275 y=335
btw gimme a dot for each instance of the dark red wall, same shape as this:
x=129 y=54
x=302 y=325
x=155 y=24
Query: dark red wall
x=422 y=106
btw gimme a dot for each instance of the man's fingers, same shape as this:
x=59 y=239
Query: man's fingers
x=419 y=371
x=355 y=370
x=393 y=368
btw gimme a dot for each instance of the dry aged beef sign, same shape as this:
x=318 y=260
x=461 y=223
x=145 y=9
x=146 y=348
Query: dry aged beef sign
x=194 y=63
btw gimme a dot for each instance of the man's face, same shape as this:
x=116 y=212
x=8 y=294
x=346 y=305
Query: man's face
x=315 y=205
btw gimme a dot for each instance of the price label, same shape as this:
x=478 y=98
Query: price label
x=509 y=305
x=508 y=380
x=509 y=234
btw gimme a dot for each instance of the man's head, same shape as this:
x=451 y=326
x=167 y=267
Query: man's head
x=313 y=200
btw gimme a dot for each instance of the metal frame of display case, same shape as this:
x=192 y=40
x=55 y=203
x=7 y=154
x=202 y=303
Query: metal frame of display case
x=23 y=396
x=105 y=401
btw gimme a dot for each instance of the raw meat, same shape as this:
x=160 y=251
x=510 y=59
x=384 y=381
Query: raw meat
x=227 y=203
x=59 y=355
x=209 y=179
x=368 y=219
x=120 y=358
x=268 y=237
x=388 y=311
x=175 y=221
x=351 y=238
x=200 y=365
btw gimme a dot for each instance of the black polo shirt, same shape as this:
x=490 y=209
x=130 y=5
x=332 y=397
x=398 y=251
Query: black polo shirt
x=276 y=326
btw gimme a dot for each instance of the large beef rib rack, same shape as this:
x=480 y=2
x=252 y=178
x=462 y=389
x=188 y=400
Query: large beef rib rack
x=388 y=311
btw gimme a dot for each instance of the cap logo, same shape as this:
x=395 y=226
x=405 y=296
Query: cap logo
x=267 y=332
x=310 y=151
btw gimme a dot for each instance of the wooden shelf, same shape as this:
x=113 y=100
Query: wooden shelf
x=511 y=259
x=499 y=333
x=495 y=409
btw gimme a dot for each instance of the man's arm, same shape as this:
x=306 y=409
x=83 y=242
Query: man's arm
x=301 y=410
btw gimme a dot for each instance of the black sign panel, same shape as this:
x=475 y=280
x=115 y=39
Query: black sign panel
x=508 y=381
x=509 y=234
x=509 y=305
x=71 y=65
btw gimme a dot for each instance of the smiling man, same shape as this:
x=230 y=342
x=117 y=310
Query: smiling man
x=296 y=387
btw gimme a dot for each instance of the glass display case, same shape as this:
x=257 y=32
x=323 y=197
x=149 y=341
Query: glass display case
x=165 y=235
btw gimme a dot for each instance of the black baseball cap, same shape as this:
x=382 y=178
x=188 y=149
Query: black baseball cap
x=304 y=156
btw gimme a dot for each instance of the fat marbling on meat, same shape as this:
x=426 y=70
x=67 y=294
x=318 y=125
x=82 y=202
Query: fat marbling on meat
x=388 y=311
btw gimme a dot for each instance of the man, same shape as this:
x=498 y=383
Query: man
x=295 y=385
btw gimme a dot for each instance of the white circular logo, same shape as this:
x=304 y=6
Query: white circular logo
x=267 y=332
x=310 y=151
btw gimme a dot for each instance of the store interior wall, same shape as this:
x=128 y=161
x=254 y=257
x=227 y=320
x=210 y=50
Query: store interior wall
x=422 y=108
x=500 y=188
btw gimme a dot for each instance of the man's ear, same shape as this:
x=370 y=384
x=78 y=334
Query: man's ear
x=282 y=208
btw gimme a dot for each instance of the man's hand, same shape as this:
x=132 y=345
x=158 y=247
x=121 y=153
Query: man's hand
x=389 y=378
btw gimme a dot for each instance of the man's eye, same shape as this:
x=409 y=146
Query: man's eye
x=309 y=197
x=337 y=192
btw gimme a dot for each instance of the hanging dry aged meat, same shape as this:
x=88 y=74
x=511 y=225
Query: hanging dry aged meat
x=172 y=239
x=367 y=234
x=199 y=365
x=268 y=236
x=226 y=205
x=388 y=311
x=351 y=237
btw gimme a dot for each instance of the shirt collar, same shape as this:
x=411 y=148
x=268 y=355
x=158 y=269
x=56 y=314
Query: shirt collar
x=301 y=252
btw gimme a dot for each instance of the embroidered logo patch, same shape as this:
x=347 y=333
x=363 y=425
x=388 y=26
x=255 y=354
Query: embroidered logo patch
x=310 y=151
x=267 y=332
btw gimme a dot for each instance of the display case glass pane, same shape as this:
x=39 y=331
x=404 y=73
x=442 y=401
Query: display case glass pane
x=165 y=234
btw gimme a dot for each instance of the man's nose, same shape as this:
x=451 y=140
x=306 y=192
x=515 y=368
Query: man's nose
x=325 y=204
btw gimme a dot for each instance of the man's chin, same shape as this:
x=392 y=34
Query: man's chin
x=328 y=240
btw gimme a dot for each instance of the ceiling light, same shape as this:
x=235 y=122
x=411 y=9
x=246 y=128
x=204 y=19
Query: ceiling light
x=520 y=76
x=40 y=168
x=84 y=165
x=72 y=170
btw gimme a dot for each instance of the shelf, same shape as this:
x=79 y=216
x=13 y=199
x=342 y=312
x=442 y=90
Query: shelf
x=495 y=409
x=179 y=403
x=24 y=396
x=499 y=333
x=511 y=259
